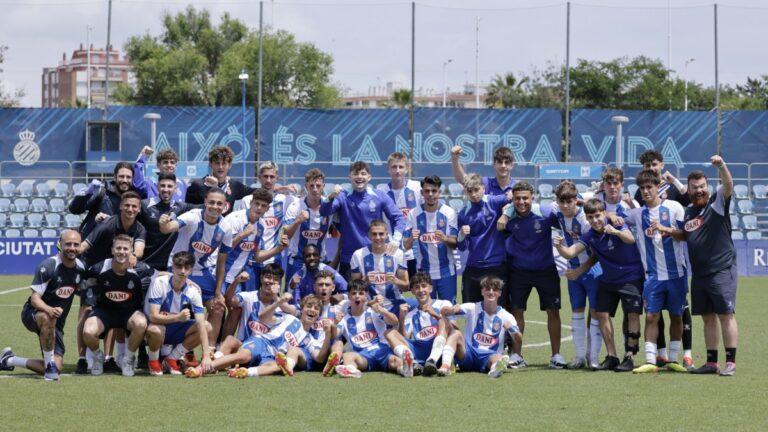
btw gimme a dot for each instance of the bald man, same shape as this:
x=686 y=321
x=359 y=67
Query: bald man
x=54 y=285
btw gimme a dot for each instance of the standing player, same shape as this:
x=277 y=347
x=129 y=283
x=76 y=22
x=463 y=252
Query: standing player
x=423 y=326
x=621 y=280
x=364 y=327
x=313 y=228
x=707 y=230
x=479 y=237
x=302 y=283
x=357 y=210
x=503 y=163
x=99 y=201
x=482 y=347
x=384 y=272
x=219 y=163
x=200 y=234
x=53 y=287
x=118 y=300
x=175 y=310
x=666 y=283
x=432 y=227
x=405 y=193
x=529 y=249
x=166 y=164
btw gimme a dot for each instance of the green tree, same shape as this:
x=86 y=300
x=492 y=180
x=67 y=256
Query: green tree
x=402 y=98
x=505 y=91
x=8 y=100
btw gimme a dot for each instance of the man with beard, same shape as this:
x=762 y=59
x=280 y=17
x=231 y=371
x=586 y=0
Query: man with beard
x=53 y=287
x=302 y=283
x=707 y=230
x=166 y=164
x=219 y=163
x=102 y=202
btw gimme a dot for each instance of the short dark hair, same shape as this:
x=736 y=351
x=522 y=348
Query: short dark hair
x=221 y=154
x=491 y=282
x=649 y=156
x=121 y=165
x=421 y=277
x=261 y=194
x=647 y=176
x=696 y=175
x=183 y=259
x=167 y=154
x=594 y=206
x=129 y=195
x=166 y=176
x=314 y=174
x=272 y=269
x=357 y=285
x=432 y=180
x=310 y=246
x=215 y=190
x=613 y=174
x=503 y=154
x=325 y=274
x=523 y=186
x=359 y=166
x=566 y=190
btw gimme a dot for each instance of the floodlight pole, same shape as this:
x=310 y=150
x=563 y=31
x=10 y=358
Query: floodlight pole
x=106 y=82
x=261 y=82
x=413 y=87
x=567 y=127
x=717 y=92
x=619 y=121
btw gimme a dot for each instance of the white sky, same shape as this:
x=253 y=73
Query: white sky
x=370 y=40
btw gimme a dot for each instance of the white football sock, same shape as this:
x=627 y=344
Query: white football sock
x=437 y=348
x=47 y=357
x=153 y=355
x=674 y=350
x=448 y=353
x=120 y=348
x=650 y=352
x=663 y=352
x=400 y=351
x=291 y=363
x=178 y=352
x=17 y=361
x=579 y=326
x=687 y=353
x=89 y=356
x=253 y=371
x=595 y=341
x=165 y=350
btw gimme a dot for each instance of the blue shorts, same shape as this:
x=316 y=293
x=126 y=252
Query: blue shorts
x=444 y=288
x=176 y=332
x=584 y=288
x=311 y=363
x=261 y=351
x=378 y=358
x=421 y=349
x=669 y=294
x=474 y=361
x=207 y=284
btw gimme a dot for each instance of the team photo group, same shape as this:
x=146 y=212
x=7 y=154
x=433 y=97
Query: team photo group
x=276 y=278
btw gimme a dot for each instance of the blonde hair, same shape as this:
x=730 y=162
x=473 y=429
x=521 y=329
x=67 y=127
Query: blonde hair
x=472 y=181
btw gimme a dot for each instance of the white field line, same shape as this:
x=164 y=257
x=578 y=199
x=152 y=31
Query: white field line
x=13 y=290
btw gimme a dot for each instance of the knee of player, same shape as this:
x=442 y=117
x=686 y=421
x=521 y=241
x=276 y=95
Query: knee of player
x=44 y=320
x=139 y=322
x=154 y=331
x=91 y=326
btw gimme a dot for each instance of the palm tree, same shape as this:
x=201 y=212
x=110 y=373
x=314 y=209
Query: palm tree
x=504 y=91
x=402 y=97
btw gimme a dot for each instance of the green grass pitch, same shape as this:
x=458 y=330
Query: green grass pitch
x=531 y=399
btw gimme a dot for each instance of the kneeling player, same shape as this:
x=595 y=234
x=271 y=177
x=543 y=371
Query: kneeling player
x=174 y=306
x=365 y=328
x=424 y=327
x=482 y=348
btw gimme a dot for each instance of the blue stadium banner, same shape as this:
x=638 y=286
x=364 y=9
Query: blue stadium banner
x=22 y=255
x=681 y=137
x=745 y=136
x=332 y=139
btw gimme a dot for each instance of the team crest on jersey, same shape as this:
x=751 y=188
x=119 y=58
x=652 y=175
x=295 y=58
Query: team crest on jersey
x=130 y=284
x=278 y=207
x=202 y=247
x=65 y=292
x=496 y=327
x=257 y=327
x=368 y=320
x=270 y=222
x=441 y=223
x=77 y=279
x=484 y=339
x=411 y=196
x=389 y=262
x=324 y=220
x=694 y=224
x=364 y=337
x=247 y=246
x=371 y=206
x=537 y=226
x=664 y=216
x=291 y=339
x=427 y=333
x=312 y=234
x=218 y=237
x=428 y=238
x=118 y=296
x=610 y=244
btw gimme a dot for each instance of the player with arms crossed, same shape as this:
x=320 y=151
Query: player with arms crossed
x=175 y=309
x=54 y=285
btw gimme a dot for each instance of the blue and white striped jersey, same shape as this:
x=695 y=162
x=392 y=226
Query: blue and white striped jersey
x=433 y=256
x=249 y=318
x=199 y=238
x=312 y=231
x=364 y=332
x=288 y=332
x=486 y=332
x=421 y=326
x=663 y=257
x=406 y=199
x=271 y=221
x=573 y=228
x=238 y=256
x=374 y=269
x=161 y=293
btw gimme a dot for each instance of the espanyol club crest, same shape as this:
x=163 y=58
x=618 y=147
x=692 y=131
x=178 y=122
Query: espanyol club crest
x=537 y=226
x=371 y=206
x=441 y=223
x=218 y=237
x=664 y=216
x=411 y=197
x=496 y=327
x=278 y=207
x=388 y=262
x=610 y=244
x=26 y=152
x=130 y=284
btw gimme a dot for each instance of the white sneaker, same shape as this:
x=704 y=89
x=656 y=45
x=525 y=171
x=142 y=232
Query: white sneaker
x=577 y=363
x=348 y=371
x=97 y=368
x=499 y=367
x=128 y=364
x=516 y=362
x=557 y=362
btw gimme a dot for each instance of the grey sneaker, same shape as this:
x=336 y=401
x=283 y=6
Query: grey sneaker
x=516 y=362
x=499 y=367
x=730 y=369
x=128 y=364
x=97 y=368
x=557 y=362
x=577 y=363
x=51 y=372
x=5 y=355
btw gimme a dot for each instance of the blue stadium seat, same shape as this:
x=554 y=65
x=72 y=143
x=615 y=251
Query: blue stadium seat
x=750 y=222
x=443 y=189
x=741 y=191
x=737 y=235
x=57 y=205
x=61 y=190
x=8 y=189
x=456 y=204
x=26 y=188
x=78 y=187
x=43 y=189
x=760 y=191
x=72 y=221
x=12 y=233
x=734 y=222
x=52 y=220
x=39 y=205
x=754 y=235
x=545 y=190
x=746 y=207
x=17 y=220
x=5 y=205
x=35 y=220
x=328 y=188
x=456 y=190
x=49 y=233
x=21 y=204
x=31 y=233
